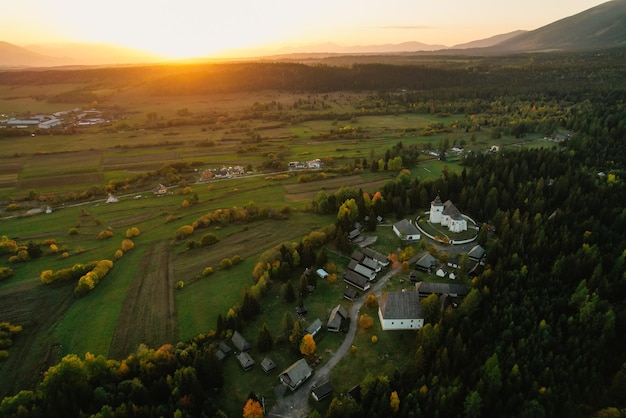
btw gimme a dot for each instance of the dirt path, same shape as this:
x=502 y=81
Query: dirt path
x=297 y=404
x=148 y=315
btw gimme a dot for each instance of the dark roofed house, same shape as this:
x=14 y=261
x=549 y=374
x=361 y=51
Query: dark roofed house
x=225 y=347
x=477 y=253
x=477 y=270
x=220 y=355
x=362 y=270
x=452 y=289
x=357 y=255
x=350 y=293
x=337 y=316
x=322 y=391
x=356 y=280
x=267 y=365
x=296 y=374
x=160 y=190
x=239 y=342
x=426 y=263
x=453 y=262
x=400 y=310
x=381 y=259
x=355 y=233
x=245 y=361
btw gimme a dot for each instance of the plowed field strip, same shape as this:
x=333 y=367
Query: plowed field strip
x=148 y=315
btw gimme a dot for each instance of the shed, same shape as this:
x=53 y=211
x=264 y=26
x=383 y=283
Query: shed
x=321 y=391
x=314 y=328
x=267 y=365
x=337 y=316
x=239 y=342
x=296 y=374
x=245 y=361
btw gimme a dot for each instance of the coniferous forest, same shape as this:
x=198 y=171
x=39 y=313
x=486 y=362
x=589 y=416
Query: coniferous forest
x=542 y=331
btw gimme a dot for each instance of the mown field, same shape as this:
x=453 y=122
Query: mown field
x=137 y=302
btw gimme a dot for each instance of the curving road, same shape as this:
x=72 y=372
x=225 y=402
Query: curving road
x=296 y=405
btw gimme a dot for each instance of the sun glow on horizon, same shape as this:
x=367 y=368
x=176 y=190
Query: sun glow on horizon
x=190 y=29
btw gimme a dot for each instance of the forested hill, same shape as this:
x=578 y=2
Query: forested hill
x=600 y=27
x=477 y=77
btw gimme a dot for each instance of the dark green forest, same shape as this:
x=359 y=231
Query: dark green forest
x=542 y=331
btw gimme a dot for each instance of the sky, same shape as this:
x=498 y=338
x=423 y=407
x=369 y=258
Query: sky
x=195 y=28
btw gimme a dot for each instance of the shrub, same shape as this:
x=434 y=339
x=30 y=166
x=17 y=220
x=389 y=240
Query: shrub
x=208 y=239
x=207 y=271
x=105 y=234
x=132 y=232
x=6 y=273
x=183 y=232
x=180 y=284
x=127 y=245
x=374 y=339
x=236 y=260
x=118 y=254
x=226 y=263
x=72 y=231
x=89 y=281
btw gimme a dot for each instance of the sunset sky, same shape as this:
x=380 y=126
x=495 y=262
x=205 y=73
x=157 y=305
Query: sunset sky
x=188 y=28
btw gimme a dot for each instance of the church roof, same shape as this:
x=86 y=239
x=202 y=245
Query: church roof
x=437 y=201
x=451 y=210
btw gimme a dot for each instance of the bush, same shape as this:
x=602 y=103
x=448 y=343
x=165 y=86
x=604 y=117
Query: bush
x=72 y=231
x=236 y=260
x=183 y=232
x=226 y=263
x=6 y=273
x=118 y=254
x=132 y=232
x=209 y=239
x=89 y=281
x=207 y=271
x=127 y=245
x=180 y=284
x=105 y=234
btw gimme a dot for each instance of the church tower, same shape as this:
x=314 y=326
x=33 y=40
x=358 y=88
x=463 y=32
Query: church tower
x=436 y=210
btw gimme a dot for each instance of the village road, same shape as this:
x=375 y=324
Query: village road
x=296 y=405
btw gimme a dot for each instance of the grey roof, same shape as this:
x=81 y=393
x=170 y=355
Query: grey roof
x=245 y=360
x=295 y=374
x=320 y=392
x=357 y=255
x=476 y=253
x=314 y=327
x=337 y=315
x=350 y=293
x=267 y=364
x=401 y=305
x=437 y=201
x=226 y=349
x=380 y=258
x=441 y=288
x=427 y=261
x=406 y=228
x=356 y=280
x=451 y=210
x=239 y=342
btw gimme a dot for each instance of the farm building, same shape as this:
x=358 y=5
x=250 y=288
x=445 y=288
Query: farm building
x=296 y=374
x=314 y=328
x=267 y=365
x=356 y=280
x=452 y=289
x=245 y=361
x=337 y=316
x=321 y=391
x=400 y=310
x=426 y=263
x=406 y=231
x=239 y=342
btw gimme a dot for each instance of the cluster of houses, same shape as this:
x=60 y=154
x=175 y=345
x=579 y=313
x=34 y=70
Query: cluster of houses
x=222 y=173
x=402 y=310
x=74 y=117
x=362 y=269
x=303 y=165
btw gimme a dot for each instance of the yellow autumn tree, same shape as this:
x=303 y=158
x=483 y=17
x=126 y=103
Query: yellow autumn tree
x=394 y=402
x=252 y=409
x=308 y=346
x=366 y=321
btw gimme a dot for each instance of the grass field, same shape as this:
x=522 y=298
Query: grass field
x=137 y=301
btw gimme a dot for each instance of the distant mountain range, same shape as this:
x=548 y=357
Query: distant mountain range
x=600 y=27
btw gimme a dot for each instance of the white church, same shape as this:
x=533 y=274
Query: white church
x=448 y=215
